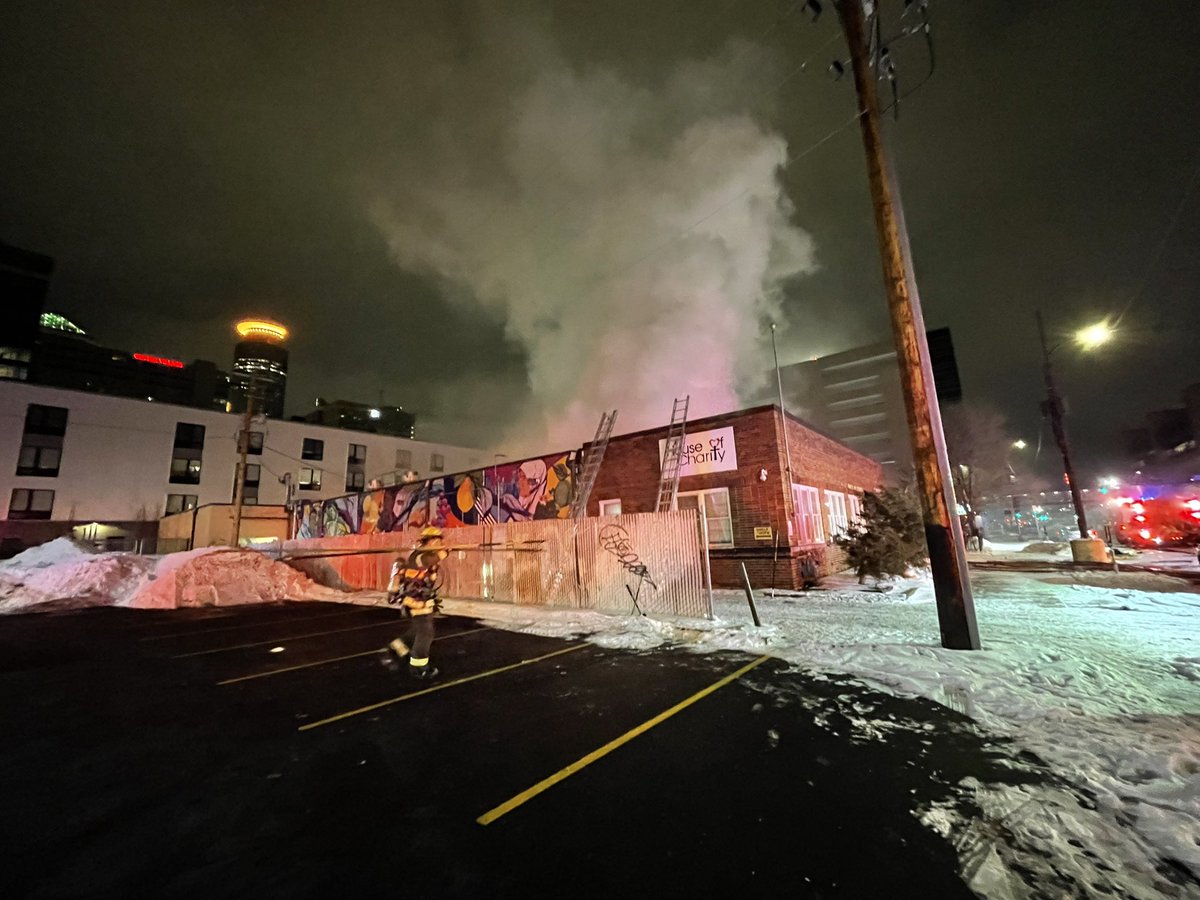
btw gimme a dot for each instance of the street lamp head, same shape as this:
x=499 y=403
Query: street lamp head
x=1094 y=335
x=1020 y=444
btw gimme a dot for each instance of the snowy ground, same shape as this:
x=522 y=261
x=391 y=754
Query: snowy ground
x=1097 y=674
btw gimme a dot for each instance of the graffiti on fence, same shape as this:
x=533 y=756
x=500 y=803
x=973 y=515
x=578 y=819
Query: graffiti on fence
x=532 y=489
x=615 y=539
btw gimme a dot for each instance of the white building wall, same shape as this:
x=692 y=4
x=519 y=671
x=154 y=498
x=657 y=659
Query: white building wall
x=117 y=451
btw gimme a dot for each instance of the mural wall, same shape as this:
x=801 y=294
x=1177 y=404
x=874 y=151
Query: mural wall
x=538 y=488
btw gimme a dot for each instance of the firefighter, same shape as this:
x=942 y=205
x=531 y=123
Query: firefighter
x=414 y=585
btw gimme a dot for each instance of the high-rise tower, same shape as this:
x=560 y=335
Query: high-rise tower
x=259 y=360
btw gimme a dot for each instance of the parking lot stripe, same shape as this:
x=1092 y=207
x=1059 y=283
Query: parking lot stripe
x=322 y=662
x=393 y=623
x=438 y=687
x=177 y=634
x=562 y=774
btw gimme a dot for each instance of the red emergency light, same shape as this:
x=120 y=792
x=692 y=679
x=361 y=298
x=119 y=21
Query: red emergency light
x=158 y=360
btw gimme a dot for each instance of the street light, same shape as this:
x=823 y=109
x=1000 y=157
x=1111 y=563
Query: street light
x=1088 y=338
x=1020 y=444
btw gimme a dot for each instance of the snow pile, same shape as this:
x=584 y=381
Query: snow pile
x=224 y=577
x=63 y=576
x=59 y=550
x=1097 y=674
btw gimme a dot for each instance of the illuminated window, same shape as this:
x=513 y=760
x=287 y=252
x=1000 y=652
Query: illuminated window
x=810 y=528
x=835 y=507
x=715 y=506
x=610 y=507
x=30 y=504
x=310 y=479
x=177 y=503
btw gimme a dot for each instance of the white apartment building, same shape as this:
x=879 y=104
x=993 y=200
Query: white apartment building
x=70 y=456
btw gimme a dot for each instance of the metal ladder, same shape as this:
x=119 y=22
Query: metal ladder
x=668 y=483
x=591 y=465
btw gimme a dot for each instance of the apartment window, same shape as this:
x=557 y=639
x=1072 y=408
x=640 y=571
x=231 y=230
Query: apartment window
x=254 y=443
x=835 y=507
x=313 y=449
x=187 y=453
x=30 y=504
x=714 y=505
x=357 y=454
x=355 y=481
x=177 y=503
x=809 y=527
x=437 y=462
x=610 y=507
x=404 y=459
x=253 y=473
x=310 y=479
x=50 y=420
x=854 y=506
x=42 y=441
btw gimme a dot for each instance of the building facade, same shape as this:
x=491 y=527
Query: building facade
x=71 y=457
x=856 y=397
x=735 y=468
x=260 y=364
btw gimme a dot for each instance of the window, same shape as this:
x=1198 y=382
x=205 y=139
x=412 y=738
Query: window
x=437 y=462
x=253 y=473
x=30 y=504
x=46 y=420
x=610 y=507
x=854 y=506
x=310 y=479
x=39 y=461
x=254 y=443
x=185 y=458
x=357 y=454
x=180 y=502
x=313 y=449
x=809 y=527
x=42 y=441
x=403 y=459
x=835 y=506
x=355 y=481
x=716 y=513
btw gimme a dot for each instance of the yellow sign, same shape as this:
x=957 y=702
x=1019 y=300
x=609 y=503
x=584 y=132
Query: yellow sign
x=762 y=533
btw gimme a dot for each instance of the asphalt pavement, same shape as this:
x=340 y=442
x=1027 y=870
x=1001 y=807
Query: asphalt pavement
x=277 y=750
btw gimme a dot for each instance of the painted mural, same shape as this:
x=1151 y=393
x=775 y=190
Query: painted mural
x=538 y=488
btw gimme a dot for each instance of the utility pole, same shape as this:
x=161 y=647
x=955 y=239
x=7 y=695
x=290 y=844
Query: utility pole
x=1054 y=408
x=943 y=531
x=790 y=505
x=239 y=477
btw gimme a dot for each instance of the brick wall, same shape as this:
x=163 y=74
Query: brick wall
x=758 y=495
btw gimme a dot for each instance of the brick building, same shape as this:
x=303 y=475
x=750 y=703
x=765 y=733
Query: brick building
x=735 y=468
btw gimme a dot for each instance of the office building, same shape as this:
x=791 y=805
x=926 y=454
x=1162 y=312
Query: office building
x=855 y=397
x=363 y=417
x=24 y=281
x=260 y=362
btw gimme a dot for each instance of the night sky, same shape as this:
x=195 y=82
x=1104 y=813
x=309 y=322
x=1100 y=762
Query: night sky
x=506 y=221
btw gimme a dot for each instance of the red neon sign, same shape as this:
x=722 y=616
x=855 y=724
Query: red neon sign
x=158 y=360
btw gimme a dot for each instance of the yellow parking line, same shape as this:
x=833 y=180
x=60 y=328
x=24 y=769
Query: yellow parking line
x=322 y=662
x=545 y=784
x=437 y=687
x=176 y=634
x=396 y=621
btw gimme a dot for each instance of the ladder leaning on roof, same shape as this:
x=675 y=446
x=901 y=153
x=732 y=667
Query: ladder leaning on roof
x=591 y=465
x=668 y=482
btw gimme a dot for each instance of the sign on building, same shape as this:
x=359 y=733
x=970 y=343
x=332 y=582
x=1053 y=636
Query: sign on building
x=704 y=452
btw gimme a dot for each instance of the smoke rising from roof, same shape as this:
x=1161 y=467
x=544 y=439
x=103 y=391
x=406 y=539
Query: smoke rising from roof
x=632 y=236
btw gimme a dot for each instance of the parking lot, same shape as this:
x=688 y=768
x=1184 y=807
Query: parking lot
x=277 y=750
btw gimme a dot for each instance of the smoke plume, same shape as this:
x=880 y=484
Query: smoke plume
x=633 y=234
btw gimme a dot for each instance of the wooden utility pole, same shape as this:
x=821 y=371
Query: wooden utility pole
x=239 y=477
x=1054 y=408
x=943 y=531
